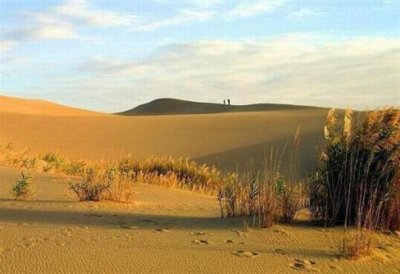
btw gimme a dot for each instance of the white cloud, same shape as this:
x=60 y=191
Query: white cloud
x=81 y=11
x=6 y=45
x=304 y=13
x=208 y=10
x=61 y=22
x=298 y=69
x=250 y=8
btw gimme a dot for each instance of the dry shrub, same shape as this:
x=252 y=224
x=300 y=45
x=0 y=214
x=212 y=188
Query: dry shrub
x=94 y=182
x=74 y=167
x=170 y=172
x=358 y=243
x=265 y=198
x=22 y=161
x=294 y=198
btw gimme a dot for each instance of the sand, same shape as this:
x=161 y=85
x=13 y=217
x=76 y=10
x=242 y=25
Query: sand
x=230 y=141
x=162 y=231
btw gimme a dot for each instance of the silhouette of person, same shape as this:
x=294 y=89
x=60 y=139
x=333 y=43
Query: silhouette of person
x=224 y=102
x=229 y=102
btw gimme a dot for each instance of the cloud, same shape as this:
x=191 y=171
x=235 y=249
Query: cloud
x=255 y=7
x=63 y=21
x=81 y=11
x=44 y=32
x=304 y=13
x=6 y=45
x=298 y=69
x=208 y=10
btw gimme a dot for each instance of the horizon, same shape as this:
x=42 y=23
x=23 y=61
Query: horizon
x=111 y=57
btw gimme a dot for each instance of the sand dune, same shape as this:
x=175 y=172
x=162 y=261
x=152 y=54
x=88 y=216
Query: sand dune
x=39 y=107
x=167 y=106
x=162 y=230
x=228 y=140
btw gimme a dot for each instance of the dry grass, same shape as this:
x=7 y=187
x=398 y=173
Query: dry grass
x=266 y=199
x=358 y=243
x=357 y=182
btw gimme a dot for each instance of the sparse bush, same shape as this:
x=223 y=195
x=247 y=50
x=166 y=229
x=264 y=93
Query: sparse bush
x=104 y=182
x=53 y=162
x=259 y=197
x=180 y=173
x=22 y=161
x=23 y=188
x=74 y=167
x=358 y=243
x=294 y=198
x=94 y=182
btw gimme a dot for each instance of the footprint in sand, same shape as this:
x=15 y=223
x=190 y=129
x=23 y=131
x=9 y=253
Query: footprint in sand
x=280 y=251
x=304 y=265
x=280 y=231
x=246 y=254
x=240 y=233
x=200 y=233
x=161 y=230
x=234 y=242
x=201 y=242
x=93 y=215
x=126 y=226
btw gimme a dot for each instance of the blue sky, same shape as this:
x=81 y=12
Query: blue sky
x=113 y=55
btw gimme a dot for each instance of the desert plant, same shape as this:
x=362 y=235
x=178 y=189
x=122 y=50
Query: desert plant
x=359 y=172
x=294 y=198
x=94 y=182
x=53 y=161
x=74 y=167
x=23 y=188
x=358 y=243
x=256 y=196
x=22 y=161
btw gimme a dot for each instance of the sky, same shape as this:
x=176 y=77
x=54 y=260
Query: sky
x=113 y=55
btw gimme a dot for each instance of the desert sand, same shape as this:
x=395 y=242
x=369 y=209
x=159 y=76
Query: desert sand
x=231 y=141
x=163 y=230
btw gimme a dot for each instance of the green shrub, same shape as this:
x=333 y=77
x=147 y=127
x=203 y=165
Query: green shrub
x=23 y=188
x=53 y=162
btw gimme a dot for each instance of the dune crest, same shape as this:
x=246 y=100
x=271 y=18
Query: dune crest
x=169 y=106
x=40 y=107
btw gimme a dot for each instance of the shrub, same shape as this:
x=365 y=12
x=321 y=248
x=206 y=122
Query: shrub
x=256 y=196
x=357 y=181
x=94 y=182
x=104 y=182
x=22 y=161
x=74 y=167
x=358 y=243
x=294 y=198
x=23 y=188
x=181 y=173
x=53 y=162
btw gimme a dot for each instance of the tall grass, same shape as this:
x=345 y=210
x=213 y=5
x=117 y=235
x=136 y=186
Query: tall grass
x=358 y=180
x=265 y=197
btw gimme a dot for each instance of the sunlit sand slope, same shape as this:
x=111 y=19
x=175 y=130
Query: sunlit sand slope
x=228 y=140
x=39 y=107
